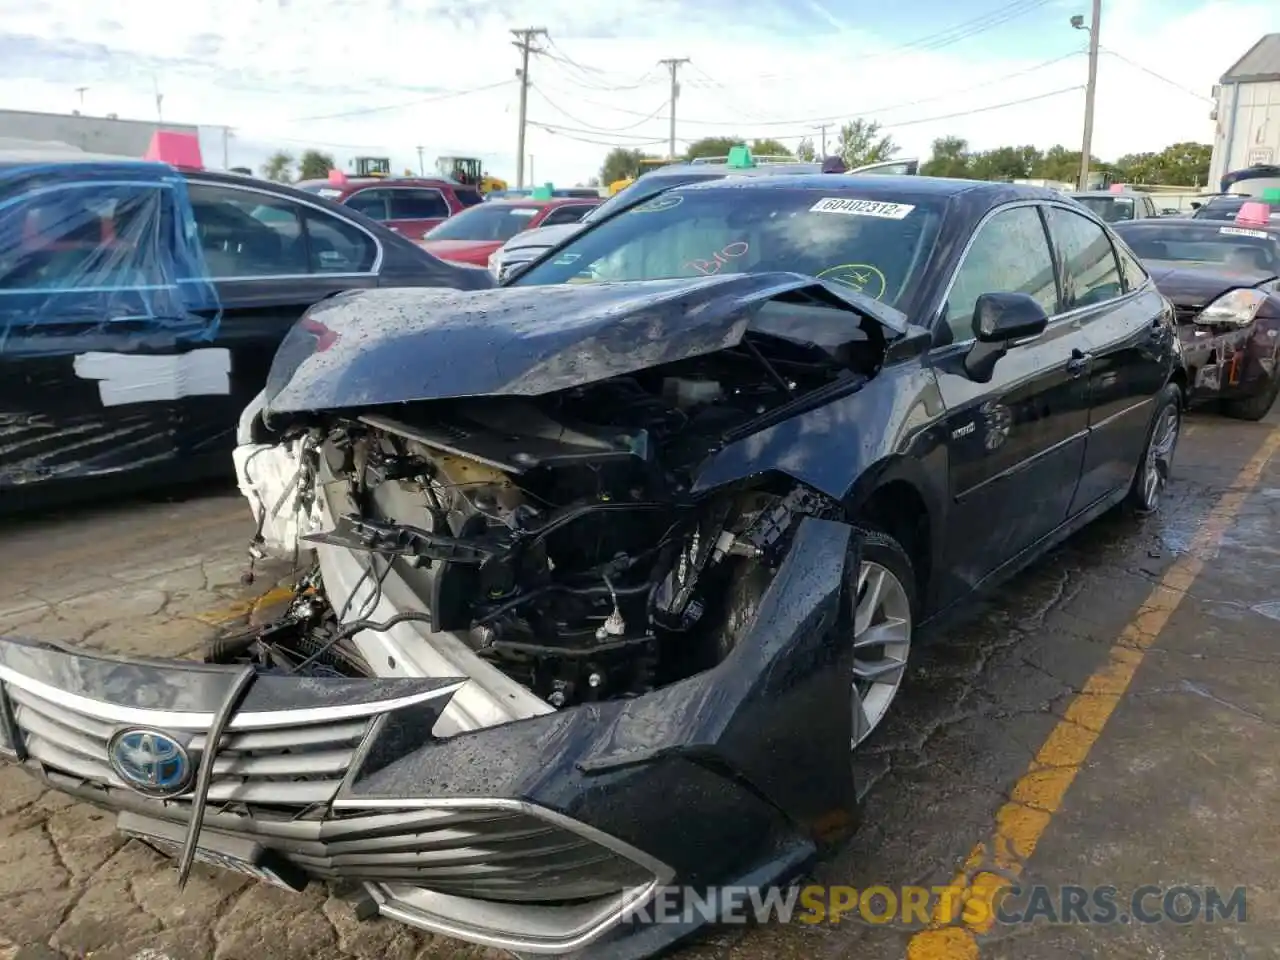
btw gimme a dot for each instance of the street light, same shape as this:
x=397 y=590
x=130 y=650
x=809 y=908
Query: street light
x=1086 y=148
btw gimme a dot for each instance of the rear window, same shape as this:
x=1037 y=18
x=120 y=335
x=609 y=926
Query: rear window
x=486 y=221
x=1109 y=209
x=875 y=246
x=1212 y=244
x=467 y=196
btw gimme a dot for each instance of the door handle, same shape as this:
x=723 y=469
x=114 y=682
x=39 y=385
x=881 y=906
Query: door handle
x=1079 y=362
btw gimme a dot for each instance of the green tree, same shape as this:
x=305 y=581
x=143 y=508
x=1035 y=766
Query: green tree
x=1004 y=163
x=769 y=148
x=713 y=147
x=279 y=167
x=620 y=163
x=949 y=158
x=860 y=142
x=806 y=151
x=315 y=165
x=1185 y=164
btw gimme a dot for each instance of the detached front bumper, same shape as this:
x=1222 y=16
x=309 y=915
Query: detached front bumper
x=543 y=835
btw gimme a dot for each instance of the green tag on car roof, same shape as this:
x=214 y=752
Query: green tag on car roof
x=739 y=156
x=543 y=192
x=1271 y=195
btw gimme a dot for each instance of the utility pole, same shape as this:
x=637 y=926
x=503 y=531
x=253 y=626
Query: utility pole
x=524 y=44
x=81 y=91
x=1090 y=90
x=532 y=178
x=673 y=65
x=823 y=130
x=226 y=148
x=422 y=170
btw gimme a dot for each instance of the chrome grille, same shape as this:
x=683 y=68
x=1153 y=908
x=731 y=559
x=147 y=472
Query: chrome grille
x=298 y=764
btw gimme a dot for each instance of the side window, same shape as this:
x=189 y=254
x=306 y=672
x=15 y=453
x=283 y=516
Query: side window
x=1010 y=254
x=244 y=233
x=567 y=214
x=1151 y=206
x=372 y=203
x=418 y=205
x=337 y=246
x=87 y=235
x=1090 y=273
x=1131 y=272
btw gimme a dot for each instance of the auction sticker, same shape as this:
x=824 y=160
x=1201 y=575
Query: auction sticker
x=1240 y=232
x=863 y=208
x=658 y=204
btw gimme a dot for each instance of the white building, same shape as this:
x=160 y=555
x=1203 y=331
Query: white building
x=1248 y=111
x=103 y=135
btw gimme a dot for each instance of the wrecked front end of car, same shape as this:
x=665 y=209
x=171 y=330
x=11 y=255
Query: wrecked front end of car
x=556 y=654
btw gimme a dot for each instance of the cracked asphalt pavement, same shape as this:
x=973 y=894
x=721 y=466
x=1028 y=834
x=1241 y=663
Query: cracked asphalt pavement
x=1179 y=787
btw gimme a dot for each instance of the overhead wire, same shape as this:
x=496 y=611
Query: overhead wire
x=559 y=109
x=572 y=133
x=363 y=111
x=1147 y=70
x=593 y=77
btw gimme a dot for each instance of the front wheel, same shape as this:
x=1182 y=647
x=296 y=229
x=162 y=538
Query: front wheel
x=884 y=617
x=1255 y=407
x=1152 y=475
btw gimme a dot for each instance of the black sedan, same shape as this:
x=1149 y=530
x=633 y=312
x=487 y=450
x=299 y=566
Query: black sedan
x=623 y=560
x=1224 y=281
x=140 y=307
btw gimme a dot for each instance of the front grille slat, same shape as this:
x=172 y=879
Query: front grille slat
x=276 y=786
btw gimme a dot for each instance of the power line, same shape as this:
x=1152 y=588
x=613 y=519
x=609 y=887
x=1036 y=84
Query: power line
x=1147 y=70
x=591 y=130
x=817 y=121
x=585 y=72
x=559 y=109
x=451 y=95
x=561 y=132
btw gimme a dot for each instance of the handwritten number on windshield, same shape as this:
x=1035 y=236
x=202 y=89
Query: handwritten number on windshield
x=718 y=260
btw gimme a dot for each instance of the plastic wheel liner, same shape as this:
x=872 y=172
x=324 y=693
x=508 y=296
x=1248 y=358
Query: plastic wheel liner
x=109 y=322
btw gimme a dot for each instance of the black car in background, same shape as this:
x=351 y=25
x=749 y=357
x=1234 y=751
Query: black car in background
x=140 y=307
x=1223 y=278
x=1227 y=207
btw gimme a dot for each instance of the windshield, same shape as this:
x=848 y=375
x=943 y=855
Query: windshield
x=487 y=221
x=1109 y=209
x=640 y=190
x=874 y=246
x=1241 y=249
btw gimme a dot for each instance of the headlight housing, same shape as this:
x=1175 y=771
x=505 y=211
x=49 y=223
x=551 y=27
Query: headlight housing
x=495 y=264
x=1235 y=308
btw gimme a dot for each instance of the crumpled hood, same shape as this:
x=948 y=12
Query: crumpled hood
x=372 y=347
x=1189 y=286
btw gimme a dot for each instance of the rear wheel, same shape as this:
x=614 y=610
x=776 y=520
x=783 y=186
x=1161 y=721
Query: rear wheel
x=1255 y=407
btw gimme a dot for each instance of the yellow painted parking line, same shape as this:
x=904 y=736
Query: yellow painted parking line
x=1020 y=823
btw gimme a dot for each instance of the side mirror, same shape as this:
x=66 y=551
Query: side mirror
x=1001 y=317
x=998 y=320
x=1196 y=204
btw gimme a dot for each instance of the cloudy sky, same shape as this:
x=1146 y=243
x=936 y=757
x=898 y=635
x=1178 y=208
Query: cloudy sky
x=385 y=77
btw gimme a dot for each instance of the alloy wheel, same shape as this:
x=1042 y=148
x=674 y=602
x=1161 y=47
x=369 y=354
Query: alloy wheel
x=881 y=643
x=1164 y=440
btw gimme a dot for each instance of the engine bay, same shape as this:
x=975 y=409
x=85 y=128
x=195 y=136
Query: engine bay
x=557 y=535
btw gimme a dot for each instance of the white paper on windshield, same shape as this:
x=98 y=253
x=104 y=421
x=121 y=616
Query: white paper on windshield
x=863 y=208
x=1241 y=232
x=327 y=192
x=522 y=211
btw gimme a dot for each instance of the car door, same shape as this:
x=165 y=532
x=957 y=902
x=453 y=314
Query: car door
x=412 y=211
x=1128 y=326
x=270 y=257
x=1015 y=442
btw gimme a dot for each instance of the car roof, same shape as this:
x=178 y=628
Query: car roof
x=359 y=183
x=1107 y=193
x=1200 y=223
x=890 y=188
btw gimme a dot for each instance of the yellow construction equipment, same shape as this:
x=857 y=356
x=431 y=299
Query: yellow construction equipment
x=642 y=167
x=469 y=171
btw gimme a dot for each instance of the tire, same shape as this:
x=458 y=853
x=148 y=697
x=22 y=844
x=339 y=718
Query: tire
x=1154 y=468
x=1255 y=407
x=879 y=670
